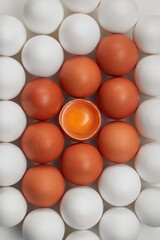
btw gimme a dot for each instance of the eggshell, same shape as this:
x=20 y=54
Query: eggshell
x=116 y=55
x=43 y=224
x=119 y=185
x=147 y=75
x=80 y=77
x=121 y=219
x=147 y=119
x=83 y=6
x=13 y=164
x=82 y=235
x=12 y=78
x=13 y=122
x=43 y=16
x=13 y=207
x=147 y=207
x=42 y=99
x=118 y=141
x=13 y=35
x=81 y=207
x=81 y=163
x=80 y=119
x=146 y=34
x=42 y=56
x=117 y=16
x=79 y=34
x=43 y=185
x=118 y=98
x=147 y=162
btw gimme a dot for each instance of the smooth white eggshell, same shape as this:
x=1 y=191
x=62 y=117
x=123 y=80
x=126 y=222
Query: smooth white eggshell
x=81 y=207
x=117 y=16
x=147 y=162
x=42 y=56
x=12 y=121
x=119 y=224
x=147 y=75
x=119 y=184
x=13 y=164
x=147 y=207
x=82 y=235
x=82 y=6
x=13 y=207
x=43 y=223
x=146 y=34
x=147 y=119
x=12 y=78
x=12 y=35
x=79 y=34
x=43 y=16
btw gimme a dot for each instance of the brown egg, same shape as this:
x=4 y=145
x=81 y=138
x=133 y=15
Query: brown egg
x=43 y=185
x=80 y=77
x=81 y=163
x=42 y=142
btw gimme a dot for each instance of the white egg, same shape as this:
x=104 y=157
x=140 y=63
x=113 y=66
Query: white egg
x=13 y=35
x=12 y=78
x=42 y=56
x=119 y=184
x=147 y=75
x=82 y=235
x=117 y=16
x=13 y=164
x=147 y=119
x=147 y=207
x=147 y=162
x=81 y=207
x=146 y=34
x=43 y=223
x=119 y=224
x=82 y=6
x=12 y=121
x=43 y=16
x=13 y=207
x=79 y=34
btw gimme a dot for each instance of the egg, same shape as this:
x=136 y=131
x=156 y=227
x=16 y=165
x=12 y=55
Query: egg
x=12 y=78
x=119 y=224
x=146 y=34
x=82 y=235
x=118 y=98
x=42 y=224
x=147 y=162
x=42 y=142
x=13 y=122
x=83 y=6
x=80 y=120
x=13 y=164
x=80 y=77
x=43 y=16
x=81 y=207
x=117 y=16
x=13 y=207
x=116 y=55
x=10 y=28
x=42 y=56
x=41 y=98
x=147 y=75
x=79 y=34
x=119 y=185
x=81 y=163
x=118 y=141
x=43 y=185
x=147 y=207
x=147 y=119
